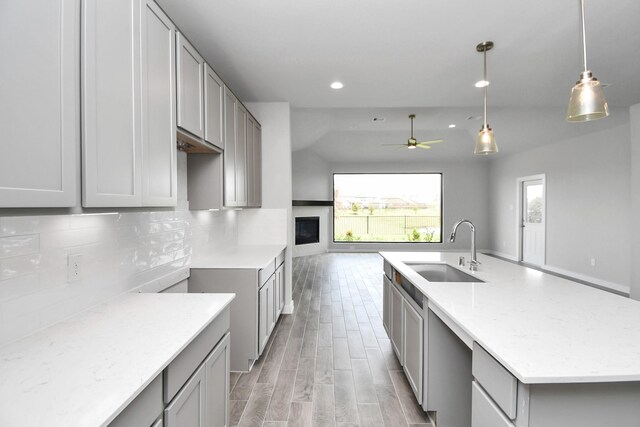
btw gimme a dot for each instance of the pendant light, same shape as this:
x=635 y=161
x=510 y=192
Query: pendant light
x=486 y=142
x=587 y=98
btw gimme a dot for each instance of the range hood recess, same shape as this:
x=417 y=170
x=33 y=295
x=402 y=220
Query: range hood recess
x=193 y=145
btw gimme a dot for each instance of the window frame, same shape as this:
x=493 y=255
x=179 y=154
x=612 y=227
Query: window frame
x=351 y=242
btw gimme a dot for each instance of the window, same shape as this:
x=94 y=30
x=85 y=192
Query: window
x=387 y=207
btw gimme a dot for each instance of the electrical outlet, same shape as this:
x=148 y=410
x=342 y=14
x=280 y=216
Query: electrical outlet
x=593 y=262
x=74 y=267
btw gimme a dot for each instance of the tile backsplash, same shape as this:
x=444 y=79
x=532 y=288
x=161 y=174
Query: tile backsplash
x=119 y=252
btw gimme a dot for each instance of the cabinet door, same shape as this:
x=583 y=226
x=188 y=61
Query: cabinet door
x=254 y=163
x=217 y=380
x=213 y=108
x=111 y=149
x=190 y=87
x=484 y=413
x=280 y=290
x=386 y=304
x=396 y=323
x=38 y=103
x=241 y=156
x=263 y=317
x=230 y=104
x=157 y=65
x=257 y=166
x=188 y=408
x=272 y=308
x=412 y=339
x=250 y=176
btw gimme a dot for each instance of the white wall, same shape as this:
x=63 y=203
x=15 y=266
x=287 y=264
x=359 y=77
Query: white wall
x=275 y=118
x=465 y=196
x=588 y=207
x=633 y=229
x=313 y=180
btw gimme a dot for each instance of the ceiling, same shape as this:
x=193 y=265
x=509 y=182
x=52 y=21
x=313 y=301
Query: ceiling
x=410 y=56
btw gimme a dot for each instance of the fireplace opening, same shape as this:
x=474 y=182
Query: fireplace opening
x=307 y=230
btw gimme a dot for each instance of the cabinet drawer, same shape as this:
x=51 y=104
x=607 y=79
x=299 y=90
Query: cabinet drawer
x=484 y=413
x=280 y=259
x=178 y=371
x=144 y=409
x=266 y=272
x=496 y=380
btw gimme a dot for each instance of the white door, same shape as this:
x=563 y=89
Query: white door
x=190 y=87
x=533 y=222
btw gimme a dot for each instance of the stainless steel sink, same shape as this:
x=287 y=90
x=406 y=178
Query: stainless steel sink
x=438 y=272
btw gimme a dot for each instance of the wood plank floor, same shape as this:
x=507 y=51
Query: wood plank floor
x=330 y=363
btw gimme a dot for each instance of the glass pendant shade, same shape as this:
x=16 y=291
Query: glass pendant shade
x=486 y=142
x=587 y=100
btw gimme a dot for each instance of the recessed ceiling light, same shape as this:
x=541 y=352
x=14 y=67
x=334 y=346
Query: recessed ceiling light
x=452 y=125
x=482 y=83
x=337 y=85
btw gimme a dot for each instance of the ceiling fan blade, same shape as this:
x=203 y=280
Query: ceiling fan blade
x=393 y=145
x=433 y=141
x=424 y=147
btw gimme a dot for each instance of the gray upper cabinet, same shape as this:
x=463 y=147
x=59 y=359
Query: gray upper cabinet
x=190 y=67
x=159 y=164
x=213 y=108
x=128 y=156
x=241 y=156
x=38 y=107
x=254 y=163
x=230 y=108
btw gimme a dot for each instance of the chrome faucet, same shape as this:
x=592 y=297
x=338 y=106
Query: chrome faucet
x=473 y=263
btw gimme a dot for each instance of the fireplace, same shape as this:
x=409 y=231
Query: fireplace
x=307 y=230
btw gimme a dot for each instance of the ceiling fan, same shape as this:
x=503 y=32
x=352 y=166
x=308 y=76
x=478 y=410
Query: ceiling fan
x=412 y=142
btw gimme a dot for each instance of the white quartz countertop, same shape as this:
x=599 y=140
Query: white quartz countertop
x=542 y=328
x=243 y=256
x=86 y=370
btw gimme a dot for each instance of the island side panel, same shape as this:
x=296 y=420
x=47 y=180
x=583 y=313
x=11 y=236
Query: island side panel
x=244 y=308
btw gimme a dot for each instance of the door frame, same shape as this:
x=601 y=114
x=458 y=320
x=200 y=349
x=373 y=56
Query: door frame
x=519 y=192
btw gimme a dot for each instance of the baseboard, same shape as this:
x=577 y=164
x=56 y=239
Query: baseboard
x=599 y=283
x=288 y=309
x=500 y=254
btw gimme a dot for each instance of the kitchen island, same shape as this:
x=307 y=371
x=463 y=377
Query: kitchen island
x=539 y=350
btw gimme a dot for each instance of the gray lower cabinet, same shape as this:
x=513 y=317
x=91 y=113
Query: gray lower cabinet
x=396 y=322
x=264 y=301
x=39 y=99
x=279 y=291
x=188 y=408
x=499 y=399
x=218 y=387
x=203 y=400
x=413 y=342
x=386 y=308
x=258 y=304
x=193 y=390
x=485 y=413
